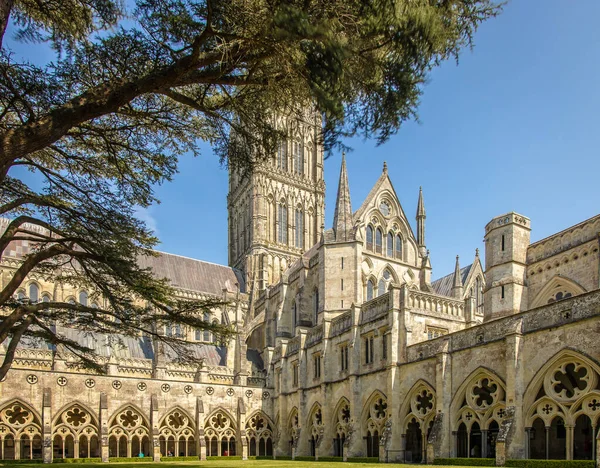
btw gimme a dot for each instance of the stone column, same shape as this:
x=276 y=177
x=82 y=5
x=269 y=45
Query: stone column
x=570 y=444
x=445 y=444
x=200 y=441
x=243 y=440
x=514 y=422
x=47 y=452
x=484 y=440
x=154 y=428
x=104 y=452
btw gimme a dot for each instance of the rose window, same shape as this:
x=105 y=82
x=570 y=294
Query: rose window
x=129 y=419
x=379 y=409
x=423 y=402
x=569 y=381
x=345 y=414
x=176 y=420
x=18 y=415
x=76 y=417
x=484 y=393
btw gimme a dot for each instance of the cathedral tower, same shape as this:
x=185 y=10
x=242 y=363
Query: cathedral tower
x=277 y=210
x=506 y=241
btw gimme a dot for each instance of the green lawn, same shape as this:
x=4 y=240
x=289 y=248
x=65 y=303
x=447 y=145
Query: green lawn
x=223 y=463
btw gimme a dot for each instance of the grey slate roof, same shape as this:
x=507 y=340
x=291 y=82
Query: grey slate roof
x=194 y=275
x=126 y=347
x=443 y=286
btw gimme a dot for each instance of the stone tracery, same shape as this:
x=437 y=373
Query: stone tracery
x=564 y=410
x=420 y=412
x=128 y=434
x=20 y=432
x=177 y=434
x=479 y=416
x=260 y=435
x=219 y=433
x=376 y=415
x=75 y=434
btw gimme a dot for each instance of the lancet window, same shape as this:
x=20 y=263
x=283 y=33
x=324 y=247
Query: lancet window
x=219 y=432
x=177 y=435
x=20 y=433
x=260 y=435
x=128 y=434
x=75 y=434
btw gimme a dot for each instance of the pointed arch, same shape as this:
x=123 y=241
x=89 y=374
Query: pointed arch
x=557 y=288
x=129 y=432
x=405 y=408
x=374 y=416
x=22 y=426
x=342 y=426
x=220 y=429
x=71 y=404
x=566 y=355
x=259 y=430
x=316 y=427
x=76 y=431
x=478 y=405
x=177 y=433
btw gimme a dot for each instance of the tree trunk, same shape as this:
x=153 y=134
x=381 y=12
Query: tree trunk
x=5 y=8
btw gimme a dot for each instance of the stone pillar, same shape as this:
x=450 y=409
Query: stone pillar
x=47 y=452
x=445 y=445
x=484 y=439
x=570 y=435
x=515 y=389
x=154 y=428
x=104 y=452
x=201 y=442
x=242 y=443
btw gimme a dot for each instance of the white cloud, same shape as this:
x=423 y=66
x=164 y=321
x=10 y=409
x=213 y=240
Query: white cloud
x=145 y=214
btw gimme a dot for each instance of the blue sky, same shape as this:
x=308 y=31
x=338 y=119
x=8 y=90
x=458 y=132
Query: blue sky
x=513 y=127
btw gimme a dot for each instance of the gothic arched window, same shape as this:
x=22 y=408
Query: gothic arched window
x=381 y=287
x=398 y=247
x=298 y=157
x=369 y=238
x=83 y=298
x=370 y=289
x=282 y=156
x=378 y=241
x=283 y=223
x=390 y=245
x=299 y=229
x=34 y=292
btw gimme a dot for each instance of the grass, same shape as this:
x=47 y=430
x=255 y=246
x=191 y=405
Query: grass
x=221 y=463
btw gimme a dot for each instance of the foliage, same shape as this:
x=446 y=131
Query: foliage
x=105 y=121
x=551 y=463
x=79 y=460
x=465 y=461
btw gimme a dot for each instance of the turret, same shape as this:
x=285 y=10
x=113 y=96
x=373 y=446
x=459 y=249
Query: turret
x=421 y=224
x=506 y=242
x=457 y=285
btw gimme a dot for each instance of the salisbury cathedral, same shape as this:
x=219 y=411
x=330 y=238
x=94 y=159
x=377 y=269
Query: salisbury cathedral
x=345 y=345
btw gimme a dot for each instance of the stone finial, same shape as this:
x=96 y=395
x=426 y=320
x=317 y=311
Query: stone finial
x=421 y=221
x=385 y=167
x=457 y=287
x=477 y=252
x=342 y=218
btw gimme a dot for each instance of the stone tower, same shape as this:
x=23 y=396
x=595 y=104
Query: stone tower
x=506 y=241
x=276 y=211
